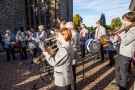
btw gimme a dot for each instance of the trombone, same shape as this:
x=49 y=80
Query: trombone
x=51 y=50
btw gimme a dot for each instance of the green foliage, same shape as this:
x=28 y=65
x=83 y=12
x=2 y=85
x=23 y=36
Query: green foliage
x=116 y=22
x=76 y=20
x=91 y=28
x=81 y=19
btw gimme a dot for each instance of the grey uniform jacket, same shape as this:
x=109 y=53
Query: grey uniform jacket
x=101 y=31
x=42 y=38
x=21 y=38
x=85 y=34
x=62 y=63
x=12 y=39
x=32 y=44
x=127 y=46
x=76 y=44
x=113 y=43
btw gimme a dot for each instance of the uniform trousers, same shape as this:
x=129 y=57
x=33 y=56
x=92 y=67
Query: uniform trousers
x=23 y=53
x=83 y=50
x=122 y=70
x=68 y=87
x=8 y=53
x=111 y=57
x=33 y=52
x=73 y=85
x=102 y=52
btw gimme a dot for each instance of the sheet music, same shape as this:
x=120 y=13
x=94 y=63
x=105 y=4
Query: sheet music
x=12 y=42
x=7 y=41
x=37 y=39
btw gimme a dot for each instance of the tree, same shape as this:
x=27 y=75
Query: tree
x=76 y=20
x=89 y=28
x=116 y=22
x=81 y=19
x=103 y=20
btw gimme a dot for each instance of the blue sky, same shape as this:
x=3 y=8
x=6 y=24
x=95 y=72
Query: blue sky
x=91 y=10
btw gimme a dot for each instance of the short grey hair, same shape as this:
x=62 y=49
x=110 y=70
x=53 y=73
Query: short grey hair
x=70 y=25
x=41 y=27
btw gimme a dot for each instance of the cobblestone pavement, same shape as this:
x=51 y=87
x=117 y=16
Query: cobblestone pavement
x=25 y=76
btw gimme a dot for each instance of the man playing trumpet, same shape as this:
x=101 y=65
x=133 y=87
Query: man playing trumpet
x=126 y=52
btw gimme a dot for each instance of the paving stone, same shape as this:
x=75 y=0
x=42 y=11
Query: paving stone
x=96 y=76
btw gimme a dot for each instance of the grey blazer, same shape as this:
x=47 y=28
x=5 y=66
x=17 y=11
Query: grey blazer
x=113 y=43
x=76 y=45
x=22 y=38
x=127 y=46
x=101 y=31
x=62 y=63
x=42 y=38
x=12 y=39
x=85 y=34
x=32 y=44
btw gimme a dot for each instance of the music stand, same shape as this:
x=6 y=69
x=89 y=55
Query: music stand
x=83 y=76
x=40 y=78
x=40 y=68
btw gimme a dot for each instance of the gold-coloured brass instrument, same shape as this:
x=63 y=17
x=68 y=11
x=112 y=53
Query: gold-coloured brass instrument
x=104 y=38
x=122 y=29
x=51 y=50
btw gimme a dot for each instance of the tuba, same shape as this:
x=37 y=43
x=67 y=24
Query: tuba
x=51 y=50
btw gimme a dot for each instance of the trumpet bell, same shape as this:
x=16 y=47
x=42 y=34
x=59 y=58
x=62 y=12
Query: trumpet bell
x=103 y=39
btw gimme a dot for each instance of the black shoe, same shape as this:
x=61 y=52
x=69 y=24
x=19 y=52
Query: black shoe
x=101 y=61
x=8 y=60
x=82 y=56
x=114 y=84
x=108 y=65
x=122 y=88
x=31 y=62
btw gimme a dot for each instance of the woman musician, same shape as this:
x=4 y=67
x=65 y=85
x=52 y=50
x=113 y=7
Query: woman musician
x=62 y=61
x=112 y=47
x=21 y=41
x=9 y=42
x=42 y=36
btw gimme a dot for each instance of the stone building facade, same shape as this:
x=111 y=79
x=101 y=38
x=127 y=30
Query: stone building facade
x=13 y=14
x=132 y=5
x=60 y=10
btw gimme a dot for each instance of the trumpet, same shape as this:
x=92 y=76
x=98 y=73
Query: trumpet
x=51 y=50
x=119 y=30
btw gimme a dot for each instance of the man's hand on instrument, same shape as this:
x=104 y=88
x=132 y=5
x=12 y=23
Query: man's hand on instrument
x=45 y=53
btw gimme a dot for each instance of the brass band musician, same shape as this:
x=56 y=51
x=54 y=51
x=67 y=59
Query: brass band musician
x=21 y=41
x=31 y=43
x=62 y=61
x=100 y=30
x=9 y=42
x=126 y=51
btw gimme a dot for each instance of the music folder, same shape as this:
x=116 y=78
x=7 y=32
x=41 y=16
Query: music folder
x=37 y=39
